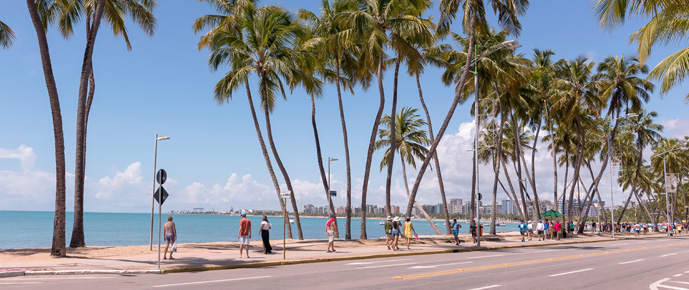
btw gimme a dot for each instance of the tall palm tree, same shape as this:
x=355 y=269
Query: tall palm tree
x=474 y=21
x=69 y=13
x=576 y=101
x=412 y=140
x=378 y=25
x=264 y=49
x=6 y=35
x=432 y=54
x=543 y=74
x=58 y=248
x=667 y=25
x=647 y=133
x=230 y=21
x=671 y=161
x=331 y=44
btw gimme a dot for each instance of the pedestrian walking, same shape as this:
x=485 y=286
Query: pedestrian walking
x=540 y=227
x=244 y=234
x=265 y=235
x=170 y=236
x=330 y=229
x=472 y=228
x=395 y=233
x=455 y=231
x=388 y=233
x=557 y=227
x=409 y=231
x=529 y=227
x=522 y=229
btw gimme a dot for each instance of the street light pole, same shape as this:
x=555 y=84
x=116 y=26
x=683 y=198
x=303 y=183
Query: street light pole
x=155 y=160
x=667 y=199
x=612 y=200
x=332 y=210
x=476 y=118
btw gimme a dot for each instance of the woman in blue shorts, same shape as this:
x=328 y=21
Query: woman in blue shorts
x=395 y=233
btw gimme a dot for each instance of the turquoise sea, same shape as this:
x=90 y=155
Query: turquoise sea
x=34 y=229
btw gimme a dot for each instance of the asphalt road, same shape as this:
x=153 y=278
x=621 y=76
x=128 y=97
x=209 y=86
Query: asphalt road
x=623 y=264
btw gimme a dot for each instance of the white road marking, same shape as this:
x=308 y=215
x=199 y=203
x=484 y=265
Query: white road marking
x=655 y=284
x=487 y=287
x=367 y=263
x=668 y=255
x=629 y=262
x=622 y=244
x=680 y=282
x=19 y=283
x=383 y=266
x=566 y=273
x=671 y=287
x=212 y=281
x=686 y=272
x=676 y=275
x=433 y=266
x=547 y=251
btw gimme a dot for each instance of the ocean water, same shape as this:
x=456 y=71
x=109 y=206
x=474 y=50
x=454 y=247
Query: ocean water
x=34 y=229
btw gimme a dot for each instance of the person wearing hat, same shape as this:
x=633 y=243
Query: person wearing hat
x=330 y=229
x=388 y=232
x=395 y=233
x=244 y=234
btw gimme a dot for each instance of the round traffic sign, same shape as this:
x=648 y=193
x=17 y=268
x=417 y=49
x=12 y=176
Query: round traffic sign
x=161 y=176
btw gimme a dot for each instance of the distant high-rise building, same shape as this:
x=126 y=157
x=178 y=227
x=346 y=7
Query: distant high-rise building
x=455 y=205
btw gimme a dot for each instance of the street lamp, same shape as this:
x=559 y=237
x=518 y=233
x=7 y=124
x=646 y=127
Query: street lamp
x=155 y=159
x=330 y=159
x=667 y=199
x=597 y=206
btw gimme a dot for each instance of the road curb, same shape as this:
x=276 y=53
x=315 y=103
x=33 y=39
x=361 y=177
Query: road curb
x=80 y=272
x=11 y=274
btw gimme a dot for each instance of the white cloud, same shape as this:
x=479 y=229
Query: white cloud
x=25 y=155
x=676 y=128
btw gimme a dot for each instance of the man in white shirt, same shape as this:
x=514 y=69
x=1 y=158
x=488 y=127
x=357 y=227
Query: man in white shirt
x=540 y=227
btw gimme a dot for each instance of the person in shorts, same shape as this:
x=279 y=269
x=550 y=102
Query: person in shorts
x=522 y=229
x=395 y=230
x=472 y=228
x=244 y=234
x=388 y=232
x=330 y=229
x=540 y=228
x=170 y=236
x=455 y=231
x=529 y=227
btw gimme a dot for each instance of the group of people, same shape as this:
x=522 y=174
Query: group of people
x=394 y=229
x=551 y=230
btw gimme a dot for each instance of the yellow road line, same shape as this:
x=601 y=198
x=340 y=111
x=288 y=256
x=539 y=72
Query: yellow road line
x=439 y=273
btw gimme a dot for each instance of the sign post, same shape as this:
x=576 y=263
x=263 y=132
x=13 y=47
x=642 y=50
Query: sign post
x=160 y=195
x=284 y=195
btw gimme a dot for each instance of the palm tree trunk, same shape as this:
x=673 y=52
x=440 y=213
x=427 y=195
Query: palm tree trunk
x=324 y=180
x=393 y=134
x=517 y=153
x=418 y=206
x=266 y=156
x=448 y=117
x=577 y=167
x=58 y=248
x=634 y=181
x=438 y=174
x=554 y=151
x=269 y=133
x=371 y=147
x=348 y=211
x=496 y=166
x=474 y=202
x=524 y=210
x=80 y=163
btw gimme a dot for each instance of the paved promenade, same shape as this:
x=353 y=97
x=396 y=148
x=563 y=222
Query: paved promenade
x=225 y=255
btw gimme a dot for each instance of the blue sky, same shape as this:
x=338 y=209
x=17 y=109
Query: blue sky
x=213 y=160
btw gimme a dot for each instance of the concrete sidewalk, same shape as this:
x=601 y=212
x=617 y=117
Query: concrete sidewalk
x=209 y=256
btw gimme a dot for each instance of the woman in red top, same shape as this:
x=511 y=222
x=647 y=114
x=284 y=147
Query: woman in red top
x=557 y=227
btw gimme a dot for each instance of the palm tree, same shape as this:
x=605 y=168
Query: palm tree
x=412 y=140
x=576 y=101
x=6 y=35
x=647 y=133
x=331 y=45
x=378 y=25
x=474 y=21
x=230 y=22
x=58 y=247
x=70 y=13
x=671 y=160
x=264 y=49
x=543 y=74
x=666 y=25
x=431 y=55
